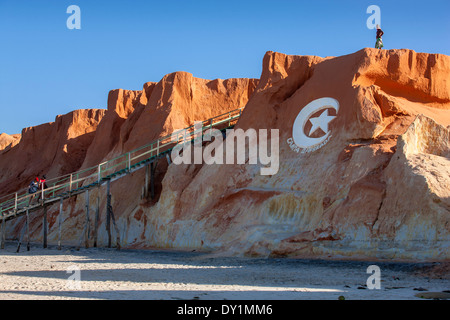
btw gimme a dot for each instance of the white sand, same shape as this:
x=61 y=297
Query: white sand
x=151 y=275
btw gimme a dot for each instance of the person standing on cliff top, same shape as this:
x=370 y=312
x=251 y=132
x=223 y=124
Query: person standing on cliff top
x=380 y=33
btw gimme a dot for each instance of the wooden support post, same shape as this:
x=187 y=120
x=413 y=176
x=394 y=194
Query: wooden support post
x=110 y=216
x=85 y=232
x=44 y=226
x=97 y=217
x=3 y=233
x=21 y=237
x=42 y=194
x=116 y=229
x=152 y=179
x=60 y=217
x=108 y=211
x=147 y=172
x=28 y=231
x=86 y=229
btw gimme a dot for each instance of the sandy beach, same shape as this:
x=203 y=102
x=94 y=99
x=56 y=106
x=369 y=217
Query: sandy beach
x=49 y=274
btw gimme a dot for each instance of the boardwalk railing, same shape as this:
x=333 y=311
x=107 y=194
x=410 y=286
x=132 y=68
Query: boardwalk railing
x=73 y=183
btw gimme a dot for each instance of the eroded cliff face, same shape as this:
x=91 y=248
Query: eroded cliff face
x=133 y=119
x=51 y=149
x=136 y=118
x=377 y=188
x=8 y=141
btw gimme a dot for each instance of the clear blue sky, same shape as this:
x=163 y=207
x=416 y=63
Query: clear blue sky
x=47 y=69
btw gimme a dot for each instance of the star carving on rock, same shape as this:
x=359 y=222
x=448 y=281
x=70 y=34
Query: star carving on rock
x=321 y=122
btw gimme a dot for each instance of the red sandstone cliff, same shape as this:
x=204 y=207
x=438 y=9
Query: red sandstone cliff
x=379 y=188
x=135 y=118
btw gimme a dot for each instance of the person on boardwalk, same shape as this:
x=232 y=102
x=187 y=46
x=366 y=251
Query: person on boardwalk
x=33 y=188
x=380 y=33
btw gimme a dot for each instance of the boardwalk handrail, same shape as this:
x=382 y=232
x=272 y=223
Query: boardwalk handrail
x=68 y=183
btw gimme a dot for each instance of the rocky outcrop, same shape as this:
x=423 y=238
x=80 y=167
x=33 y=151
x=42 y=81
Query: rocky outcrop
x=376 y=188
x=350 y=197
x=418 y=191
x=135 y=118
x=8 y=141
x=52 y=149
x=121 y=104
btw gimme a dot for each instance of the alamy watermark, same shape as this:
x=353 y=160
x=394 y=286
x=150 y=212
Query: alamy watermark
x=375 y=19
x=74 y=20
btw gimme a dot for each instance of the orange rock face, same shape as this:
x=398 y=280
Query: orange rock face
x=8 y=141
x=342 y=199
x=52 y=149
x=135 y=118
x=377 y=187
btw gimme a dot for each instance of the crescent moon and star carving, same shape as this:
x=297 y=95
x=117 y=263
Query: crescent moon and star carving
x=302 y=142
